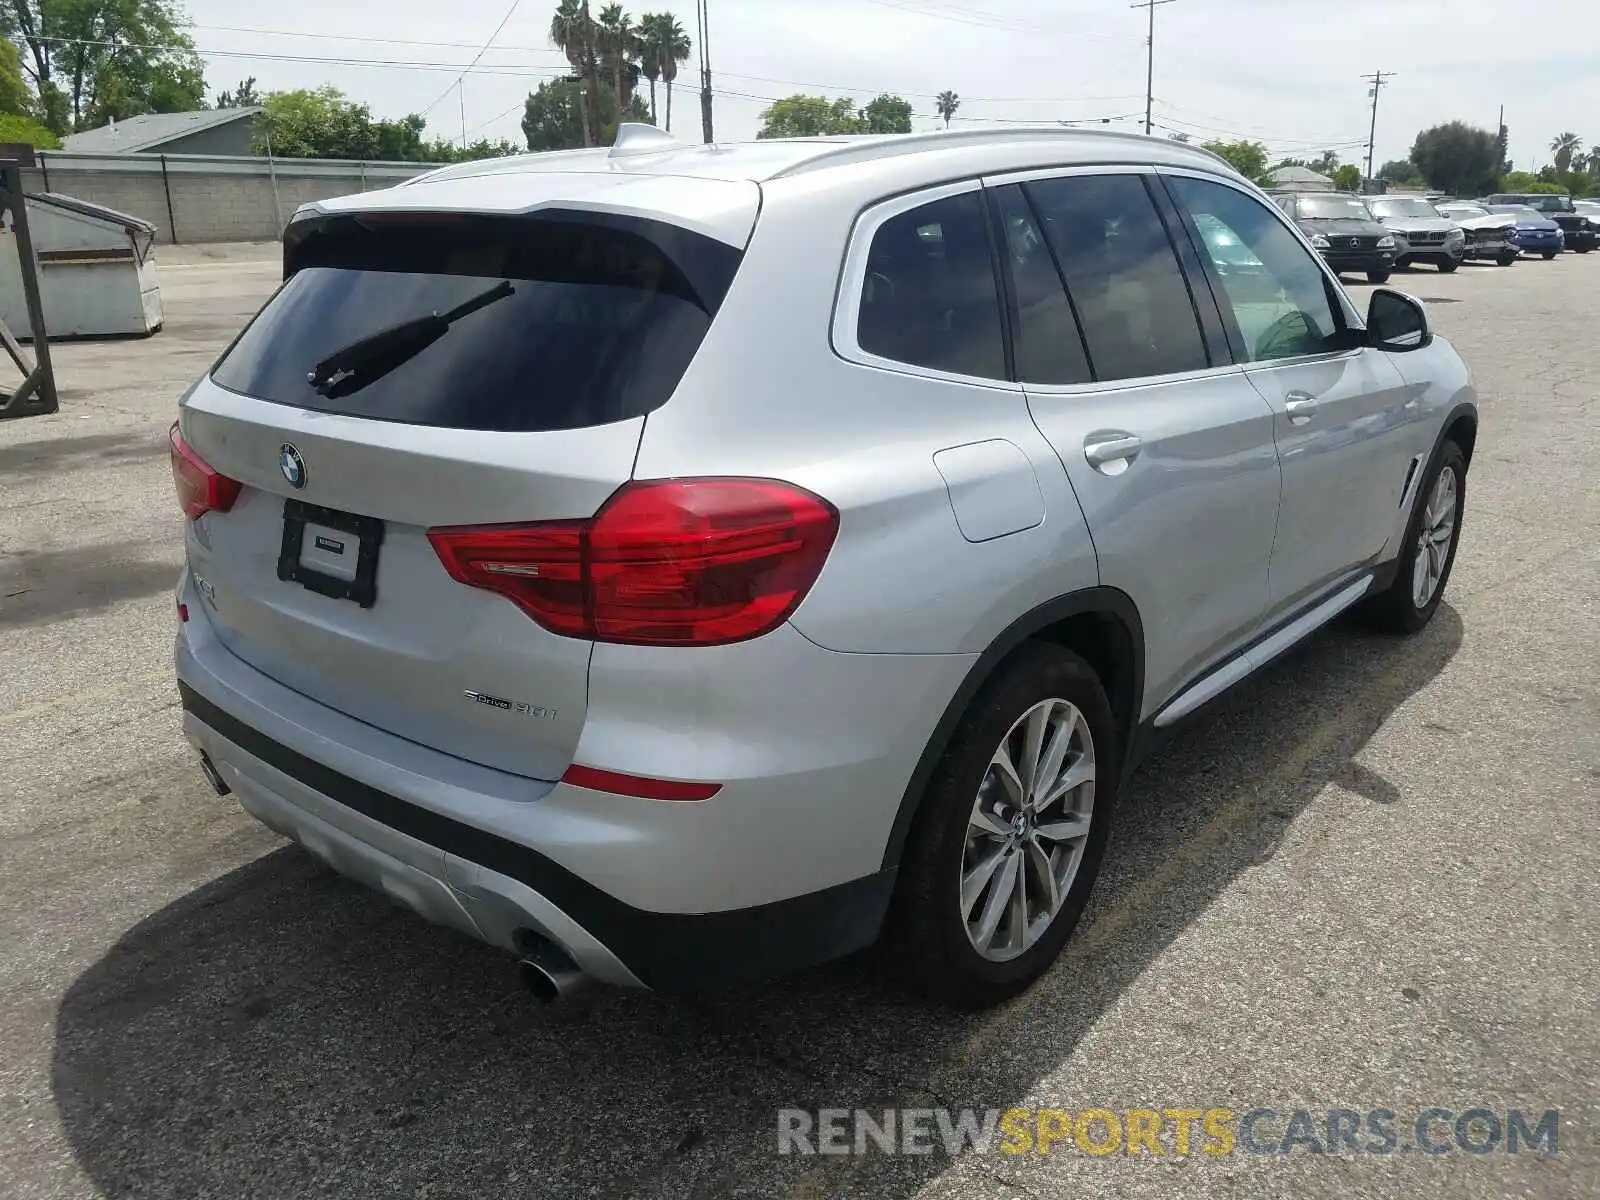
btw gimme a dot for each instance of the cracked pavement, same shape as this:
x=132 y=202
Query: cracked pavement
x=1367 y=878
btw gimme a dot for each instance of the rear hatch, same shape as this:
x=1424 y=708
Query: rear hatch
x=423 y=370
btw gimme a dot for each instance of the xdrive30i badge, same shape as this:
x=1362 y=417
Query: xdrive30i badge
x=516 y=706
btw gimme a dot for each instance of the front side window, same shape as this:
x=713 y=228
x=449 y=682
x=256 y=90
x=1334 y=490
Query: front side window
x=1278 y=294
x=930 y=297
x=1123 y=275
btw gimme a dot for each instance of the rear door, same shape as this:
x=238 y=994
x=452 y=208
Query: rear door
x=1167 y=445
x=1347 y=426
x=418 y=371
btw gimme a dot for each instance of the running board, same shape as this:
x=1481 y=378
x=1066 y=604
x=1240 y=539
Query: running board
x=1257 y=656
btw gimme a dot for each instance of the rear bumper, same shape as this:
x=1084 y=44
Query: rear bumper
x=772 y=874
x=499 y=891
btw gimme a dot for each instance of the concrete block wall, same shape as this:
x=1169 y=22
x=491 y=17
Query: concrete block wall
x=213 y=198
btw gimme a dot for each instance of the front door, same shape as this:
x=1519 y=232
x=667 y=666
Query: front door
x=1345 y=421
x=1167 y=445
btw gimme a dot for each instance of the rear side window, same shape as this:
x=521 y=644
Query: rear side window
x=509 y=324
x=930 y=297
x=1124 y=276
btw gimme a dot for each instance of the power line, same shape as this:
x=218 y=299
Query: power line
x=515 y=4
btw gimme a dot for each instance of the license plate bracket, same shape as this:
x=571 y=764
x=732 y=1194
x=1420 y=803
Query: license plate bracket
x=368 y=531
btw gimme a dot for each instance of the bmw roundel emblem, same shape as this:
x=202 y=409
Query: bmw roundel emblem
x=292 y=465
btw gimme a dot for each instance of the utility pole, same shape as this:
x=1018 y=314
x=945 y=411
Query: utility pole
x=703 y=19
x=1377 y=79
x=1150 y=59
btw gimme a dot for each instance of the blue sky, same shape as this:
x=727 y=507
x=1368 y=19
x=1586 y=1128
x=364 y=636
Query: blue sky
x=1287 y=72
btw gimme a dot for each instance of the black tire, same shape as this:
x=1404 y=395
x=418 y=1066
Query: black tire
x=1506 y=260
x=1395 y=609
x=1447 y=265
x=1378 y=276
x=1582 y=249
x=1549 y=254
x=926 y=936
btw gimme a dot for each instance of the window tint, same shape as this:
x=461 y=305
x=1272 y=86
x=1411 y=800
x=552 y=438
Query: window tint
x=1278 y=294
x=1048 y=347
x=489 y=323
x=930 y=297
x=1130 y=292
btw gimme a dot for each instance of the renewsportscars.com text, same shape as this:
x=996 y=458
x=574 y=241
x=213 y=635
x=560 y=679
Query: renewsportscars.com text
x=1167 y=1131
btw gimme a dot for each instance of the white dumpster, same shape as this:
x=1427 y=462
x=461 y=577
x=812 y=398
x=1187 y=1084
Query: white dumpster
x=97 y=271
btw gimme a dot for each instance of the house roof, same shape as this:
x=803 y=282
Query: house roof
x=1299 y=175
x=150 y=131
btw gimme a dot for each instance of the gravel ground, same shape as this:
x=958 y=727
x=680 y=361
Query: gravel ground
x=1366 y=880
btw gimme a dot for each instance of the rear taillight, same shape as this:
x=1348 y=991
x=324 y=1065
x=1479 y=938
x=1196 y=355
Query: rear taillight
x=666 y=562
x=200 y=489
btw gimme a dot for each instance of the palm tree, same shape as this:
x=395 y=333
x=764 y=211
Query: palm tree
x=1564 y=147
x=663 y=45
x=618 y=40
x=572 y=32
x=947 y=104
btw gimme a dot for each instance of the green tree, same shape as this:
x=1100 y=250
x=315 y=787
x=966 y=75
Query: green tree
x=1325 y=163
x=887 y=114
x=1244 y=156
x=1564 y=147
x=1526 y=181
x=315 y=123
x=15 y=97
x=91 y=61
x=663 y=47
x=572 y=32
x=17 y=128
x=1347 y=178
x=244 y=96
x=1457 y=159
x=801 y=115
x=1399 y=171
x=947 y=103
x=552 y=117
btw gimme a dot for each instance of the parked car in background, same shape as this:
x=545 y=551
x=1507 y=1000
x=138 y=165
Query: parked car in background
x=1590 y=211
x=1489 y=236
x=548 y=570
x=1535 y=232
x=1421 y=232
x=1580 y=236
x=1343 y=230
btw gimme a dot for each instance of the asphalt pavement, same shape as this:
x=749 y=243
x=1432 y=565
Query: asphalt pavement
x=1366 y=880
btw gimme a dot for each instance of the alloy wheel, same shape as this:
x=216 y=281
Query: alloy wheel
x=1434 y=538
x=1028 y=829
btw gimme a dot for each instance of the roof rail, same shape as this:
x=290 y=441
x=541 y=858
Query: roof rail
x=876 y=146
x=635 y=137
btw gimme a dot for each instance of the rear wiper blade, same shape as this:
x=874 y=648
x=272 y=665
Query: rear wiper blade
x=364 y=360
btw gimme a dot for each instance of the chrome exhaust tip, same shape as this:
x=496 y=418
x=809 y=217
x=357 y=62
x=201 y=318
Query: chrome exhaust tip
x=548 y=973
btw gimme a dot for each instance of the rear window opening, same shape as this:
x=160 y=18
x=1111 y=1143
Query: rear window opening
x=506 y=324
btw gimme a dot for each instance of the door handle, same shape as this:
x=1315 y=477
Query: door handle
x=1110 y=453
x=1300 y=406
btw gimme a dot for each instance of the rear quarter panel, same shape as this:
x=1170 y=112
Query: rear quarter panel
x=768 y=395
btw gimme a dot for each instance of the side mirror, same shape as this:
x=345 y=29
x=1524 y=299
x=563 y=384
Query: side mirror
x=1397 y=322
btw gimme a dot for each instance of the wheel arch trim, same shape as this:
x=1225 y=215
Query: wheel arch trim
x=1095 y=601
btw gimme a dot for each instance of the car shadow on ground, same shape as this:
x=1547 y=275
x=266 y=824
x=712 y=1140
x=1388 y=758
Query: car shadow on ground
x=280 y=1032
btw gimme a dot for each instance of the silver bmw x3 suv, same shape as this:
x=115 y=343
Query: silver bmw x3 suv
x=682 y=564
